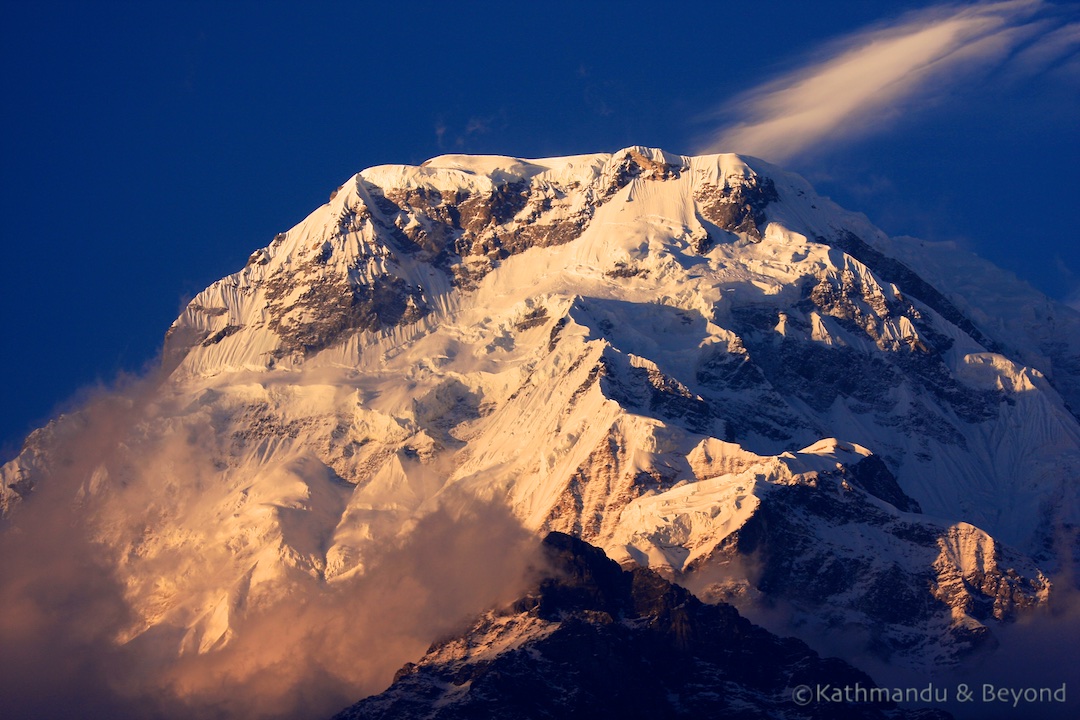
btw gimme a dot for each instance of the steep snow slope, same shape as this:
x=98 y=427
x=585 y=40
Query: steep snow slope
x=696 y=363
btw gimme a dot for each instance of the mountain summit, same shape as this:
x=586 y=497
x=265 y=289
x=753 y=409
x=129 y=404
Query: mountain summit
x=695 y=363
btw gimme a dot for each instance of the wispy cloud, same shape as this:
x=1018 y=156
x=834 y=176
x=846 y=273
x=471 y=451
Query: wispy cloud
x=1059 y=43
x=864 y=80
x=67 y=621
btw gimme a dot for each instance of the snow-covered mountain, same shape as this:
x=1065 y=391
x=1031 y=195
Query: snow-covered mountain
x=695 y=363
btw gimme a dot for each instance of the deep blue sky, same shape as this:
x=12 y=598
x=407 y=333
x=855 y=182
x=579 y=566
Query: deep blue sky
x=149 y=148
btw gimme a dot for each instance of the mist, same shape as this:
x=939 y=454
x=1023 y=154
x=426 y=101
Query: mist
x=69 y=649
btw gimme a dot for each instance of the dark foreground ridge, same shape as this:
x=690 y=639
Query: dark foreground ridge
x=595 y=641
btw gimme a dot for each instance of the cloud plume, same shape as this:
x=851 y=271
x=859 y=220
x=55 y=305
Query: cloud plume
x=306 y=653
x=867 y=79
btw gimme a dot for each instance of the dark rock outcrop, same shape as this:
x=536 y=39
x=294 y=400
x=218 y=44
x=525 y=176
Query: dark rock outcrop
x=738 y=207
x=595 y=641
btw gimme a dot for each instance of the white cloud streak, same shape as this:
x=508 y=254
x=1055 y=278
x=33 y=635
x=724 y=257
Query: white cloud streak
x=872 y=76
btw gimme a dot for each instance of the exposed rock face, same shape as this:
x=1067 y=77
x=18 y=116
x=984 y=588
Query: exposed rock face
x=328 y=311
x=896 y=272
x=594 y=641
x=738 y=206
x=466 y=234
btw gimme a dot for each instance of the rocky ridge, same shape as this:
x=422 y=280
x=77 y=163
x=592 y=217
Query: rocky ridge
x=592 y=640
